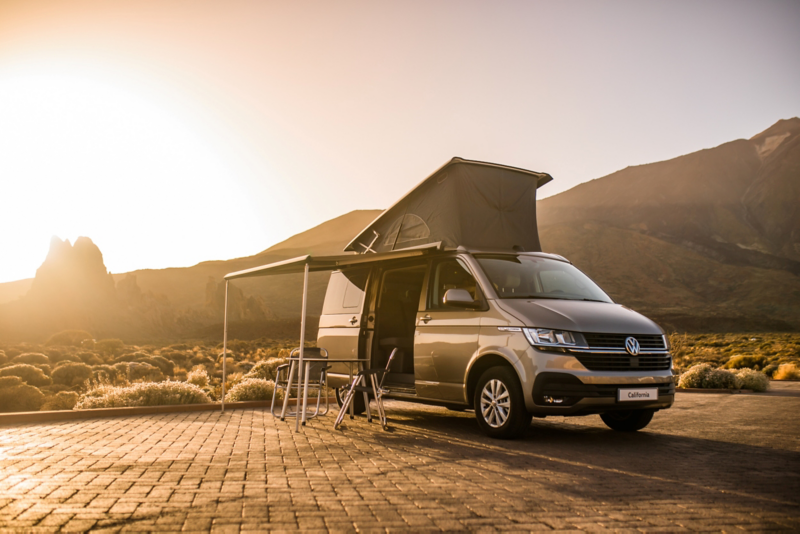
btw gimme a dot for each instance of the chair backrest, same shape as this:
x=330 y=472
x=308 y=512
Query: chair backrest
x=388 y=365
x=314 y=368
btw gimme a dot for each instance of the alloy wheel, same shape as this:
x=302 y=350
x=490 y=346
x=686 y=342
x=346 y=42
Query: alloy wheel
x=495 y=403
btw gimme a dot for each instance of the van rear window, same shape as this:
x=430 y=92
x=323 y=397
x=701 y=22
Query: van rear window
x=345 y=292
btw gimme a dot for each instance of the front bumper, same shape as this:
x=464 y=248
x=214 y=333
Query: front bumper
x=568 y=395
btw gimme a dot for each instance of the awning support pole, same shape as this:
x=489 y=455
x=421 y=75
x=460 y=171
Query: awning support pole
x=225 y=345
x=302 y=348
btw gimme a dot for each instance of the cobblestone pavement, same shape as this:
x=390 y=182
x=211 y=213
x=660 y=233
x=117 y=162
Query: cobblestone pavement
x=713 y=462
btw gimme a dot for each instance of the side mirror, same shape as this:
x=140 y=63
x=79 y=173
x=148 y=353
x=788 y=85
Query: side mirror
x=460 y=298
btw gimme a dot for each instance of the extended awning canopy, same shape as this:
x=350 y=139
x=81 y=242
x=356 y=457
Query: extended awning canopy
x=329 y=263
x=465 y=203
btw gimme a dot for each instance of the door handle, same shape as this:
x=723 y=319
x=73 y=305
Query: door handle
x=353 y=320
x=426 y=318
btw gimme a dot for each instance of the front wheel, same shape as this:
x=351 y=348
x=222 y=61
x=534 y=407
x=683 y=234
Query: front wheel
x=500 y=405
x=628 y=420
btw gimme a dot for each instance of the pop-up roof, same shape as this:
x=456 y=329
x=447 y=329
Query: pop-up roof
x=464 y=203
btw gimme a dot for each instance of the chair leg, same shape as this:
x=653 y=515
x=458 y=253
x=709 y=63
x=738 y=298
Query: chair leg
x=346 y=403
x=379 y=401
x=288 y=392
x=274 y=395
x=366 y=400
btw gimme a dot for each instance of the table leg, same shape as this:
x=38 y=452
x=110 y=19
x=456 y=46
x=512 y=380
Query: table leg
x=305 y=391
x=288 y=391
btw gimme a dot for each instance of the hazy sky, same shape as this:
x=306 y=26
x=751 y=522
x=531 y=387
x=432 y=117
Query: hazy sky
x=172 y=132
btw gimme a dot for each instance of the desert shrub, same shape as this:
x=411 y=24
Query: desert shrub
x=131 y=357
x=21 y=398
x=142 y=394
x=144 y=371
x=202 y=359
x=109 y=346
x=90 y=358
x=64 y=400
x=44 y=368
x=251 y=389
x=3 y=357
x=54 y=388
x=785 y=371
x=28 y=373
x=705 y=376
x=71 y=338
x=10 y=381
x=167 y=367
x=61 y=358
x=770 y=369
x=31 y=358
x=746 y=361
x=265 y=370
x=179 y=346
x=13 y=351
x=198 y=376
x=752 y=379
x=72 y=374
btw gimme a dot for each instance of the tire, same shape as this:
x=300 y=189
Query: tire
x=628 y=420
x=501 y=384
x=358 y=401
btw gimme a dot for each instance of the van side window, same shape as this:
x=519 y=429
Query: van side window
x=451 y=274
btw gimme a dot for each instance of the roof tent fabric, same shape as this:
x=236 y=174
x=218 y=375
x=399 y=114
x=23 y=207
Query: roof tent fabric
x=464 y=203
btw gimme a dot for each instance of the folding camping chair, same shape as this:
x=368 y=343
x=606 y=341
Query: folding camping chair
x=317 y=379
x=359 y=385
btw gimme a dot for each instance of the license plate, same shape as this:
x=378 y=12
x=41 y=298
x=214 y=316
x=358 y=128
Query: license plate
x=637 y=394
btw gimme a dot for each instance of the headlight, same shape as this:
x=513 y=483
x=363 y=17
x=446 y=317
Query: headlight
x=549 y=338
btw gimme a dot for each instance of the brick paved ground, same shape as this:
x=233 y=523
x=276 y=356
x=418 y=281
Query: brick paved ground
x=713 y=462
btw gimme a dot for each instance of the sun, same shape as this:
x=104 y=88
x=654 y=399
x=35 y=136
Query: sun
x=83 y=155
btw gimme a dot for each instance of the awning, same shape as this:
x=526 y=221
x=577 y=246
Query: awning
x=330 y=263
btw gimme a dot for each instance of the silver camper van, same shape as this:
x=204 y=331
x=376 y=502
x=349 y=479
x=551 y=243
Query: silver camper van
x=483 y=319
x=512 y=335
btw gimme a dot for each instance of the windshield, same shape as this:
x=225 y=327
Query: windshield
x=521 y=277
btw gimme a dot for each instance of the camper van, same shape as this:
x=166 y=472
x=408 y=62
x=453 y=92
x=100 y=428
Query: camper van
x=511 y=335
x=483 y=319
x=452 y=280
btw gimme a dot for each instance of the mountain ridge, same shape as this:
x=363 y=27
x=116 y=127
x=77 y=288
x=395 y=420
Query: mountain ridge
x=708 y=240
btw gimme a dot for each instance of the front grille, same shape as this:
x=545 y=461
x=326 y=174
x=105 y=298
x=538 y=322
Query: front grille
x=624 y=362
x=617 y=341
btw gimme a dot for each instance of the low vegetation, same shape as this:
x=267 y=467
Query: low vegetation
x=74 y=371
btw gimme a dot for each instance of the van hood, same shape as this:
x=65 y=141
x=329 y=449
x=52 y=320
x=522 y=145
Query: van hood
x=579 y=316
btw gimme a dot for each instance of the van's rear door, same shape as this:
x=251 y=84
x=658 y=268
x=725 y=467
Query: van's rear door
x=343 y=325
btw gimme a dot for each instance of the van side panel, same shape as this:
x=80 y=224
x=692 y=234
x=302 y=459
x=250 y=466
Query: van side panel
x=340 y=326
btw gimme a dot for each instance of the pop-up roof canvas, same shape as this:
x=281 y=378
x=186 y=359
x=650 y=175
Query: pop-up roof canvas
x=464 y=203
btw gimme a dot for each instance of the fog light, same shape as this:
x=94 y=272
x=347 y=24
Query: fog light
x=553 y=400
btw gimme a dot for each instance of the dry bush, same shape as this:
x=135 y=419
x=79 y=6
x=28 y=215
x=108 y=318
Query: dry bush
x=28 y=373
x=198 y=376
x=21 y=398
x=32 y=358
x=787 y=371
x=752 y=379
x=251 y=389
x=71 y=338
x=265 y=370
x=109 y=346
x=54 y=389
x=61 y=358
x=64 y=400
x=90 y=358
x=10 y=381
x=3 y=357
x=72 y=374
x=142 y=394
x=746 y=361
x=143 y=371
x=705 y=376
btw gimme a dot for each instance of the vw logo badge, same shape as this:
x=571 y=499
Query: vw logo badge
x=632 y=346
